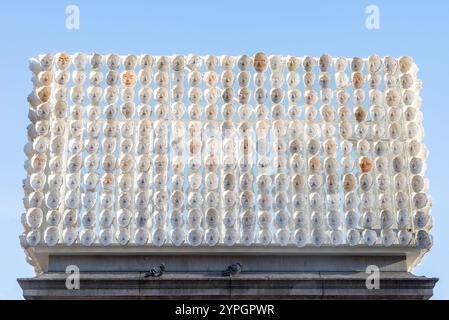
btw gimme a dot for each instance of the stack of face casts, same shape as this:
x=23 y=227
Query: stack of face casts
x=249 y=150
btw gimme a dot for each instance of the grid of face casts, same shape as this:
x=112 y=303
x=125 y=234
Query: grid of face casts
x=250 y=150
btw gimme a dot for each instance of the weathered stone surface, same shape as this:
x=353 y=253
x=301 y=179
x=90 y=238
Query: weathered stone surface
x=303 y=285
x=196 y=276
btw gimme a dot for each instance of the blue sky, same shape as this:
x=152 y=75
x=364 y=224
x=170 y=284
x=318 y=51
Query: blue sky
x=416 y=28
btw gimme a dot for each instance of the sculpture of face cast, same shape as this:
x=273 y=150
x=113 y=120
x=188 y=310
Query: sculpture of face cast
x=293 y=79
x=363 y=147
x=357 y=80
x=310 y=97
x=403 y=219
x=369 y=237
x=341 y=80
x=421 y=219
x=178 y=63
x=230 y=236
x=276 y=79
x=34 y=218
x=141 y=236
x=417 y=183
x=308 y=63
x=248 y=219
x=405 y=64
x=275 y=63
x=352 y=219
x=227 y=95
x=365 y=164
x=177 y=93
x=211 y=78
x=259 y=79
x=393 y=98
x=264 y=201
x=374 y=63
x=62 y=60
x=298 y=201
x=406 y=81
x=195 y=237
x=193 y=62
x=227 y=62
x=298 y=182
x=130 y=62
x=79 y=60
x=390 y=64
x=45 y=78
x=260 y=62
x=146 y=61
x=388 y=237
x=51 y=236
x=293 y=63
x=402 y=199
x=408 y=98
x=404 y=237
x=283 y=237
x=301 y=220
x=244 y=62
x=33 y=237
x=377 y=113
x=177 y=220
x=243 y=78
x=95 y=60
x=365 y=181
x=420 y=200
x=212 y=236
x=324 y=81
x=244 y=95
x=247 y=199
x=229 y=218
x=313 y=146
x=318 y=237
x=315 y=200
x=360 y=114
x=423 y=239
x=128 y=78
x=301 y=237
x=349 y=182
x=260 y=95
x=376 y=96
x=353 y=237
x=193 y=216
x=325 y=62
x=374 y=80
x=123 y=236
x=46 y=61
x=211 y=62
x=357 y=64
x=265 y=237
x=43 y=93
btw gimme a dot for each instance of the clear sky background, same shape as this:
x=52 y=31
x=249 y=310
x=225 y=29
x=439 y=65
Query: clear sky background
x=27 y=28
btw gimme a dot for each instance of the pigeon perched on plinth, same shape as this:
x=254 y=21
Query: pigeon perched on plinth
x=156 y=272
x=233 y=270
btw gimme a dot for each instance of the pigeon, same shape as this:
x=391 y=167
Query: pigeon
x=156 y=272
x=233 y=270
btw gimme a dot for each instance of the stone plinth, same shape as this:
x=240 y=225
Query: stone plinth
x=195 y=273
